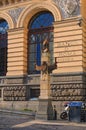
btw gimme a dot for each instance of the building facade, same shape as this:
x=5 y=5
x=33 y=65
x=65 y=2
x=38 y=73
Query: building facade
x=24 y=24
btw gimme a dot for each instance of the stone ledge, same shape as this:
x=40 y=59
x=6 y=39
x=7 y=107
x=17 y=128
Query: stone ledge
x=29 y=113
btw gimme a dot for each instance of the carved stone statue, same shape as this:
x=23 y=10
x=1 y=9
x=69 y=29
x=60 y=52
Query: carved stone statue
x=42 y=68
x=45 y=46
x=45 y=67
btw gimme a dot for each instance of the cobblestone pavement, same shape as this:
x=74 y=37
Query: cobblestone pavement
x=18 y=122
x=9 y=120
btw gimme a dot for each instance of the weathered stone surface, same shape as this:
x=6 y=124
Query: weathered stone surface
x=45 y=110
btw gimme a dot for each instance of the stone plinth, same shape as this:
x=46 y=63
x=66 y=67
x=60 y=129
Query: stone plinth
x=45 y=110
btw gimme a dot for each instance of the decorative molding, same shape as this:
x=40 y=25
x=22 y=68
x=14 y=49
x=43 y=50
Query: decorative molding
x=64 y=87
x=69 y=8
x=14 y=13
x=60 y=92
x=70 y=88
x=14 y=93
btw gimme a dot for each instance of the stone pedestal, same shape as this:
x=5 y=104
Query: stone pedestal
x=45 y=110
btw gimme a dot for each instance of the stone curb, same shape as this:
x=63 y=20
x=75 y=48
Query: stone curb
x=18 y=112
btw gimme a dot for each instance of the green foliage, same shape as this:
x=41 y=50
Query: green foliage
x=27 y=110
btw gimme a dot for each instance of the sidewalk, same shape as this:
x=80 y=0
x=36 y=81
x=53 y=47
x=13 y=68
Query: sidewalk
x=50 y=123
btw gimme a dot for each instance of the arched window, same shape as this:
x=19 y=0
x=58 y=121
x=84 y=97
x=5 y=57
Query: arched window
x=3 y=47
x=40 y=28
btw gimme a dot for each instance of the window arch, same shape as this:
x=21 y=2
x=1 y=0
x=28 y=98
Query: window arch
x=3 y=47
x=40 y=27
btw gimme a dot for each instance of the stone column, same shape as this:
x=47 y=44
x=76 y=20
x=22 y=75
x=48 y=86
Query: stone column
x=45 y=78
x=45 y=109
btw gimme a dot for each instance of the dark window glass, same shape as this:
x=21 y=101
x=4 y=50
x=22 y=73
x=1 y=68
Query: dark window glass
x=3 y=26
x=43 y=19
x=3 y=47
x=40 y=29
x=34 y=93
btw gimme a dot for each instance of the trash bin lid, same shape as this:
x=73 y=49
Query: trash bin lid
x=75 y=104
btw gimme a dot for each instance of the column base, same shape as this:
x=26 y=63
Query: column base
x=45 y=110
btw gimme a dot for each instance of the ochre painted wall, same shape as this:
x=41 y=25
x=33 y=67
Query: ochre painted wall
x=83 y=24
x=17 y=51
x=68 y=46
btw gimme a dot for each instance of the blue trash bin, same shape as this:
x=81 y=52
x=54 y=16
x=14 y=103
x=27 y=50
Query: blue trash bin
x=75 y=111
